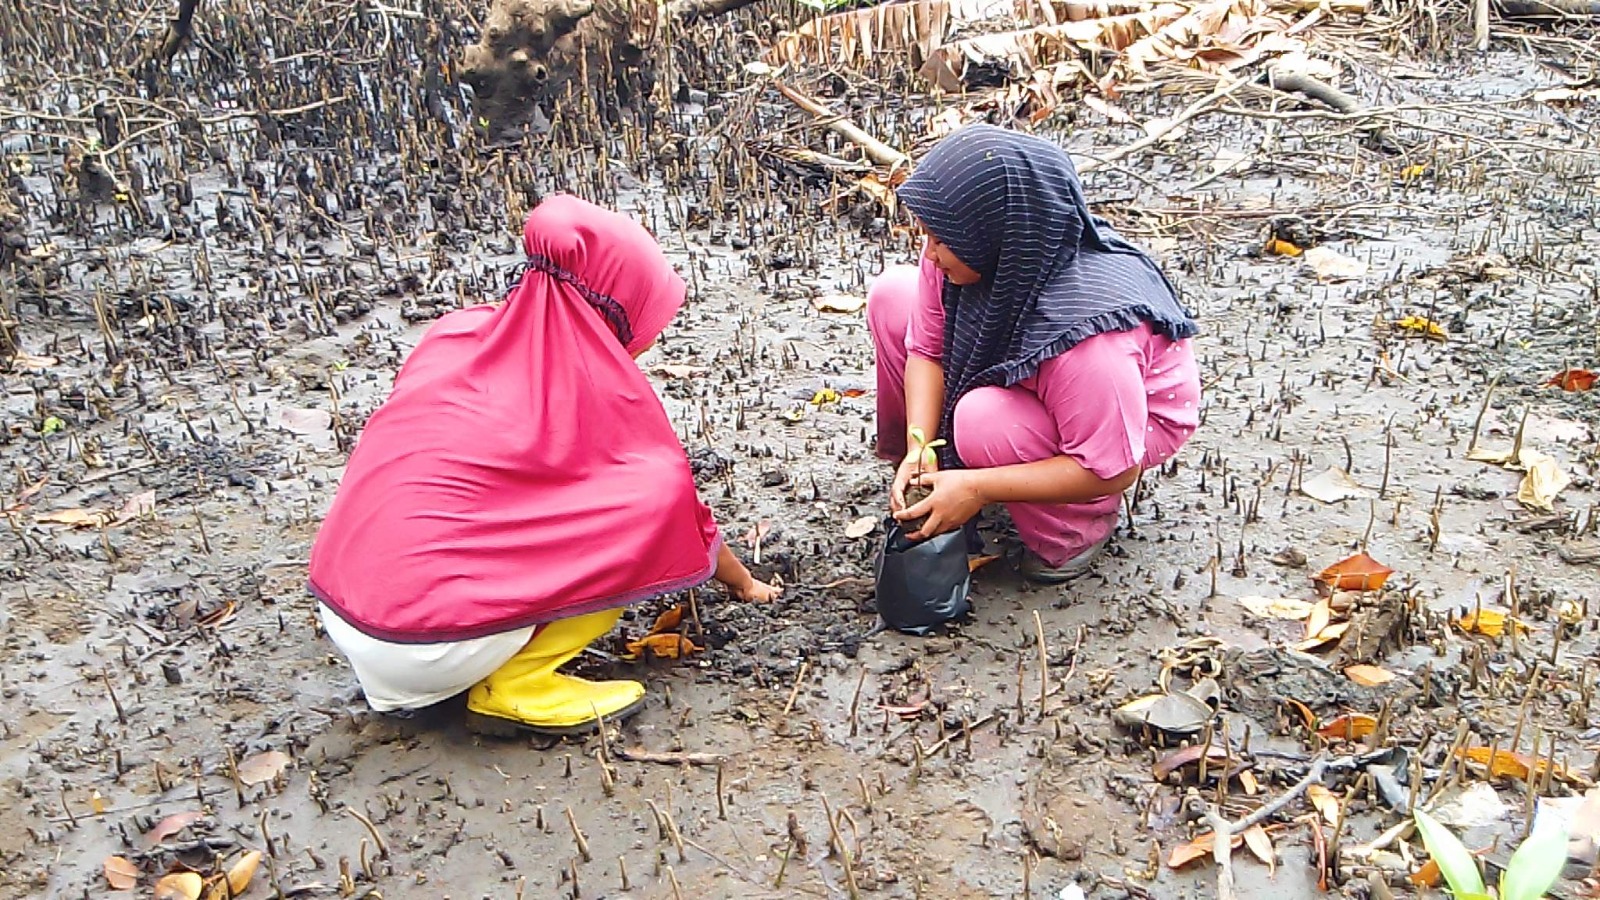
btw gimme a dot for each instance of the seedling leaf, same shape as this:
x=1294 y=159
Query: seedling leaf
x=1455 y=861
x=1536 y=865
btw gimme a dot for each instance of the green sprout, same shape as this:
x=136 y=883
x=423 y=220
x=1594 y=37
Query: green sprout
x=1533 y=868
x=927 y=451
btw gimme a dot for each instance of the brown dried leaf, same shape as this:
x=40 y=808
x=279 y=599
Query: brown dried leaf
x=1487 y=622
x=180 y=886
x=1189 y=756
x=1318 y=619
x=1324 y=801
x=1356 y=573
x=668 y=621
x=839 y=303
x=1369 y=676
x=1306 y=715
x=28 y=362
x=1037 y=48
x=121 y=874
x=76 y=518
x=263 y=767
x=1201 y=847
x=757 y=532
x=977 y=562
x=141 y=504
x=1515 y=765
x=1351 y=727
x=1247 y=780
x=305 y=421
x=1260 y=844
x=238 y=879
x=861 y=527
x=1324 y=637
x=857 y=36
x=1428 y=876
x=663 y=646
x=171 y=825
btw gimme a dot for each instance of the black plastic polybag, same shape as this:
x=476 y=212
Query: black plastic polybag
x=922 y=584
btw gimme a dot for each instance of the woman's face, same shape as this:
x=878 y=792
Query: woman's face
x=945 y=260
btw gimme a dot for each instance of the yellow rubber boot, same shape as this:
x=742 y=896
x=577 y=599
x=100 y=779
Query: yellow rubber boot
x=528 y=694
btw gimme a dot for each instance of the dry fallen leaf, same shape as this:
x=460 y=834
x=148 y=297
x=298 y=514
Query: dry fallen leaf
x=27 y=362
x=839 y=303
x=975 y=563
x=1277 y=607
x=141 y=504
x=1356 y=573
x=1512 y=765
x=1200 y=848
x=238 y=878
x=121 y=874
x=76 y=518
x=171 y=825
x=1324 y=801
x=180 y=886
x=1331 y=265
x=1260 y=844
x=1543 y=481
x=861 y=527
x=1573 y=380
x=305 y=421
x=1279 y=247
x=1369 y=676
x=1318 y=618
x=1426 y=327
x=1333 y=486
x=677 y=371
x=668 y=621
x=1247 y=780
x=1428 y=876
x=758 y=532
x=1487 y=622
x=1306 y=715
x=663 y=646
x=1324 y=637
x=262 y=767
x=1350 y=727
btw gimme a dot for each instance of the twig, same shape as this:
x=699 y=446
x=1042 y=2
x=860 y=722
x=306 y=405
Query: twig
x=1192 y=111
x=878 y=150
x=1222 y=847
x=639 y=754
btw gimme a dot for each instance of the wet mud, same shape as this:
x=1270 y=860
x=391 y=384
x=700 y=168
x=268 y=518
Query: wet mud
x=212 y=272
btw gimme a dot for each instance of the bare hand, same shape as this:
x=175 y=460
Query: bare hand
x=756 y=592
x=904 y=475
x=956 y=498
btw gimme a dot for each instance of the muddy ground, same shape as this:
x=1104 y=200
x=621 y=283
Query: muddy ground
x=196 y=326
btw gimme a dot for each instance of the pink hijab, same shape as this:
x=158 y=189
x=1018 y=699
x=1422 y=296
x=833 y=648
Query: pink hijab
x=523 y=470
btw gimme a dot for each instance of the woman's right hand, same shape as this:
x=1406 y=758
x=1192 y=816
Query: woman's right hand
x=904 y=475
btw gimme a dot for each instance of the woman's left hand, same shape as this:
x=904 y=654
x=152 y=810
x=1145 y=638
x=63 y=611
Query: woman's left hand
x=956 y=497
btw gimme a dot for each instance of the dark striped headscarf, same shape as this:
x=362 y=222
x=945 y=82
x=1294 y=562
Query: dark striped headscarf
x=1010 y=206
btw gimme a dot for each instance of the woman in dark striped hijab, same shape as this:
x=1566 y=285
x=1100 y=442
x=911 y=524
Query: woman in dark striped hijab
x=1051 y=354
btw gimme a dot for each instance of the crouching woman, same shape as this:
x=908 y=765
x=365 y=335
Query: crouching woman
x=1050 y=354
x=520 y=487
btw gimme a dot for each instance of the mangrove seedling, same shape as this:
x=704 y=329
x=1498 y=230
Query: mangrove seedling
x=1533 y=868
x=927 y=458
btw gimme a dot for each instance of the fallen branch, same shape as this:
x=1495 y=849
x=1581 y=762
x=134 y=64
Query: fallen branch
x=880 y=152
x=1222 y=843
x=178 y=31
x=1193 y=111
x=639 y=754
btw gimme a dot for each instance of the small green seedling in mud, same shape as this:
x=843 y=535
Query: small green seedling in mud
x=927 y=458
x=1533 y=868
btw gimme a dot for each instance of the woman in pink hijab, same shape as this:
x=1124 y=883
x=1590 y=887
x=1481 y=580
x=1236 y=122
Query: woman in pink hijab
x=520 y=486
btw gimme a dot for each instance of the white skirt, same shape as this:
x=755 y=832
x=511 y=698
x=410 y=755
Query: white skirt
x=411 y=676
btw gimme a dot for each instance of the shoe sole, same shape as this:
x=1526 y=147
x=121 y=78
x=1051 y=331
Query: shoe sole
x=1057 y=577
x=498 y=726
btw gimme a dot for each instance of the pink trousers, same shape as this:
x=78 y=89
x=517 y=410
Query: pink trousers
x=994 y=426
